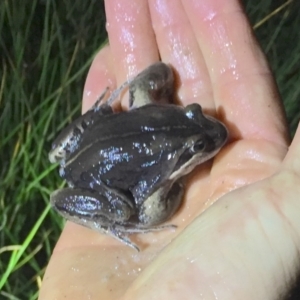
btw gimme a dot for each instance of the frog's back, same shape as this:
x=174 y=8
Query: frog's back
x=149 y=118
x=138 y=140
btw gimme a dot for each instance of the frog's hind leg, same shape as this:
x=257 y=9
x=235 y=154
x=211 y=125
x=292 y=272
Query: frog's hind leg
x=161 y=205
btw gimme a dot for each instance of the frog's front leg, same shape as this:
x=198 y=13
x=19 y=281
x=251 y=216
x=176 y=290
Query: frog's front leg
x=104 y=212
x=68 y=141
x=161 y=205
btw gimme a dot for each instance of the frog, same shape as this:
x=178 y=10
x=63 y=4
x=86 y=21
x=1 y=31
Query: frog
x=125 y=169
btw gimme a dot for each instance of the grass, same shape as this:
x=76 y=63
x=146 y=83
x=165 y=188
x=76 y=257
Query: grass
x=46 y=47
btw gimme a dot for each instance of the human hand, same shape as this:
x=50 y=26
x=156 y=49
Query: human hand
x=250 y=236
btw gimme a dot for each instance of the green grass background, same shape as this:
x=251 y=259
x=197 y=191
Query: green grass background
x=46 y=48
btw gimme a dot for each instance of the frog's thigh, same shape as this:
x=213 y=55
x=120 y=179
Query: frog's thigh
x=154 y=84
x=161 y=205
x=86 y=205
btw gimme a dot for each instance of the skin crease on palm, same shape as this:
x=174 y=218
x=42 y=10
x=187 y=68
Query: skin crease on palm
x=244 y=246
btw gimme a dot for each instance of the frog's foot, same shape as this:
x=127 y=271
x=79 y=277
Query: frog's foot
x=139 y=228
x=122 y=237
x=121 y=232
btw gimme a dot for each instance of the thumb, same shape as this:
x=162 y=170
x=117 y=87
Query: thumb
x=245 y=246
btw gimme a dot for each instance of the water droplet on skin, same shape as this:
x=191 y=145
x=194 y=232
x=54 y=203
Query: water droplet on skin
x=191 y=259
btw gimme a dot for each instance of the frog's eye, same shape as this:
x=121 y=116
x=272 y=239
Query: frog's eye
x=198 y=146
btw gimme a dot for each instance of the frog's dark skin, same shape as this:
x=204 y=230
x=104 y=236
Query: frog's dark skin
x=124 y=169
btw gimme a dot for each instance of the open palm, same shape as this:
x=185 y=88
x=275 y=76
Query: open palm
x=234 y=244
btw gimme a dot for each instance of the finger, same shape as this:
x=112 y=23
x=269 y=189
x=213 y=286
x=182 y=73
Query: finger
x=131 y=37
x=178 y=46
x=243 y=84
x=100 y=76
